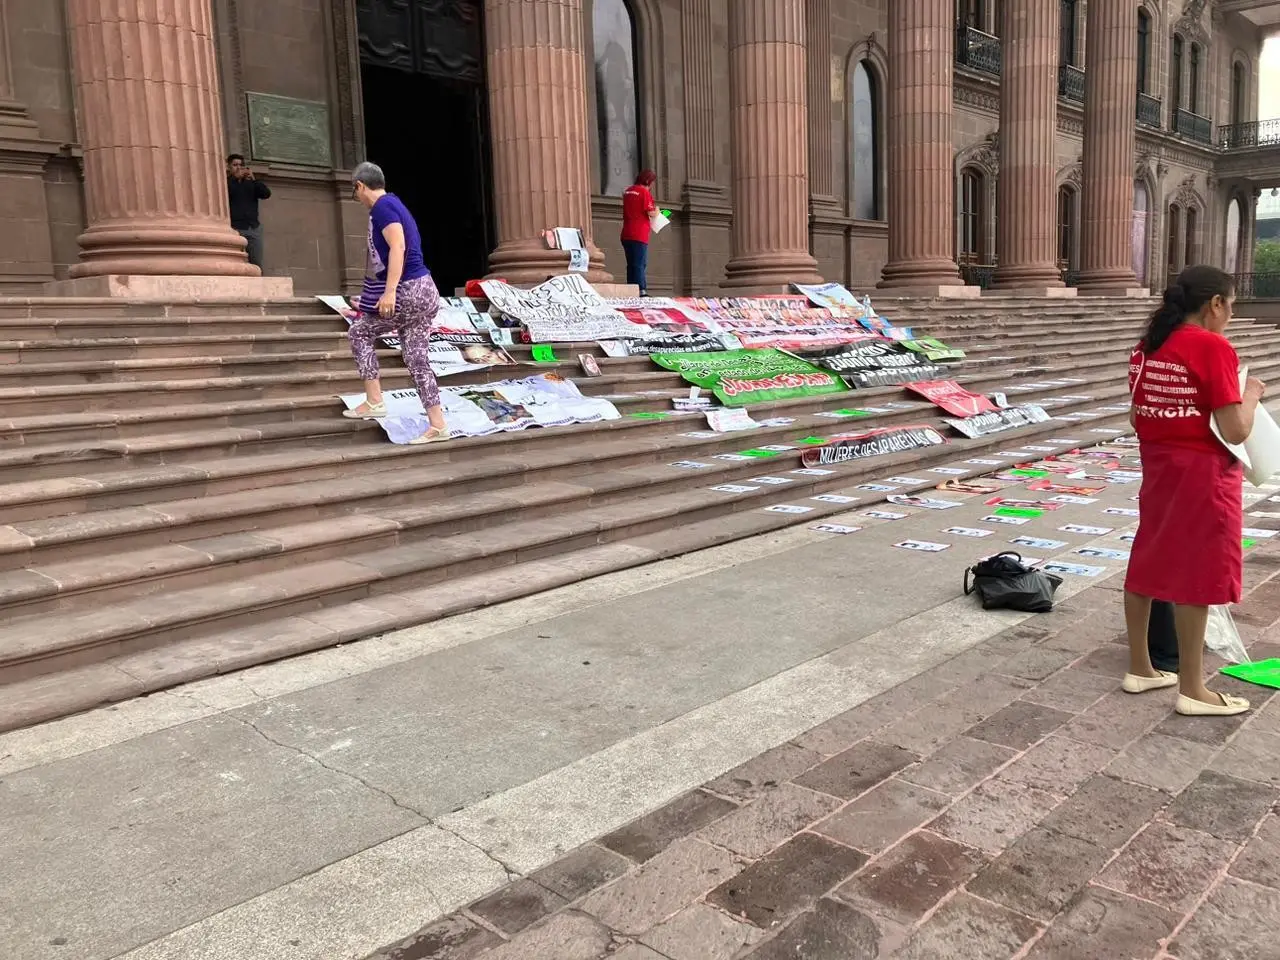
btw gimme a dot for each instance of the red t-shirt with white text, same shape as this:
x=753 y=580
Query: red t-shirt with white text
x=1177 y=388
x=637 y=204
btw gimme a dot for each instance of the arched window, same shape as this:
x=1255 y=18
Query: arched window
x=1067 y=227
x=1239 y=93
x=617 y=95
x=865 y=173
x=972 y=210
x=1235 y=235
x=1175 y=76
x=1174 y=246
x=1190 y=256
x=1193 y=84
x=1067 y=33
x=1144 y=51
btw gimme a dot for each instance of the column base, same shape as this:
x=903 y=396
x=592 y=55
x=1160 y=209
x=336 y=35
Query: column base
x=1059 y=292
x=529 y=262
x=173 y=288
x=1102 y=290
x=932 y=291
x=921 y=275
x=769 y=272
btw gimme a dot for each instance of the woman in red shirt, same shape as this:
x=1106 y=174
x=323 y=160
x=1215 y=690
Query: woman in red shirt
x=1187 y=550
x=637 y=209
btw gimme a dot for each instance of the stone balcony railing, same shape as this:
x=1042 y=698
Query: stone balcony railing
x=977 y=50
x=1071 y=83
x=1256 y=133
x=1257 y=286
x=1192 y=126
x=1148 y=111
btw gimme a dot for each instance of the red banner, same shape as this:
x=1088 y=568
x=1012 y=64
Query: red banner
x=953 y=398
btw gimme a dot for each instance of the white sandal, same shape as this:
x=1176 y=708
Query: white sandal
x=367 y=411
x=434 y=435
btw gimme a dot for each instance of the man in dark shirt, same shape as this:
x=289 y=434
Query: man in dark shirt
x=244 y=191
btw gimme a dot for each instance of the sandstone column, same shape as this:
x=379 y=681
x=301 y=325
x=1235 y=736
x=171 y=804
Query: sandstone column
x=769 y=117
x=1110 y=98
x=151 y=126
x=538 y=123
x=1026 y=198
x=921 y=182
x=818 y=52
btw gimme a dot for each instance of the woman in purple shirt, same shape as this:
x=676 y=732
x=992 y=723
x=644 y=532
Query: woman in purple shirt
x=401 y=297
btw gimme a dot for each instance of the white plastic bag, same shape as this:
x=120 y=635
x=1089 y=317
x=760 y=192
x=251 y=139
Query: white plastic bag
x=1260 y=453
x=1222 y=637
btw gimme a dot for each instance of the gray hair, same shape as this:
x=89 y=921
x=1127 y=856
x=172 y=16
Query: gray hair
x=371 y=175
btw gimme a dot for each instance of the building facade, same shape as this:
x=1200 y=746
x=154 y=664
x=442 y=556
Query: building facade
x=853 y=140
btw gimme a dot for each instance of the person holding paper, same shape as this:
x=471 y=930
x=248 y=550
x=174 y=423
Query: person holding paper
x=400 y=298
x=638 y=209
x=1183 y=375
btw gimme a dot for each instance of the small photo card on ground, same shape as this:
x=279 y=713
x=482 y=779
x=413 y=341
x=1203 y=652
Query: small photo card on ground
x=1087 y=531
x=787 y=508
x=834 y=528
x=1008 y=521
x=973 y=532
x=1040 y=543
x=1074 y=569
x=924 y=546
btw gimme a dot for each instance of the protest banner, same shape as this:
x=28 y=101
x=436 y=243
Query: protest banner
x=474 y=411
x=953 y=398
x=680 y=343
x=834 y=296
x=933 y=350
x=1010 y=418
x=883 y=328
x=872 y=443
x=564 y=309
x=872 y=363
x=742 y=377
x=457 y=345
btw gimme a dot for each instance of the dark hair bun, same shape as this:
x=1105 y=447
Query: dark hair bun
x=1175 y=295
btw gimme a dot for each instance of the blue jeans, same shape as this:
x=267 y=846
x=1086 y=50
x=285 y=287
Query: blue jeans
x=637 y=263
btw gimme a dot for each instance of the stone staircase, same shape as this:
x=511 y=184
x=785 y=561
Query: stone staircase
x=179 y=495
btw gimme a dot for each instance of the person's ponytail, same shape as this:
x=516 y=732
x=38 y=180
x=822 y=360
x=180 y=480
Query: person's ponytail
x=1185 y=298
x=1169 y=316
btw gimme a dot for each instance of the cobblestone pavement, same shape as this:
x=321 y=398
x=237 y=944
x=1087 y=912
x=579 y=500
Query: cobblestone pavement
x=1011 y=803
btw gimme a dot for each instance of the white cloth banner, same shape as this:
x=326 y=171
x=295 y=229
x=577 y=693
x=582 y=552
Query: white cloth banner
x=836 y=296
x=475 y=411
x=565 y=309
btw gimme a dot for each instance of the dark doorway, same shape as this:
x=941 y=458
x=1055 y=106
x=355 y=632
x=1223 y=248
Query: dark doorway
x=426 y=124
x=428 y=136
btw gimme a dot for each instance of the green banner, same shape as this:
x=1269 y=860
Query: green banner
x=742 y=377
x=934 y=350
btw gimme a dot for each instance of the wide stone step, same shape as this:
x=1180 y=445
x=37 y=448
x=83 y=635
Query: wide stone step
x=104 y=423
x=205 y=460
x=136 y=627
x=99 y=445
x=60 y=557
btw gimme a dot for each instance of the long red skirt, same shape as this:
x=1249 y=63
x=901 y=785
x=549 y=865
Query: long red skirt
x=1188 y=548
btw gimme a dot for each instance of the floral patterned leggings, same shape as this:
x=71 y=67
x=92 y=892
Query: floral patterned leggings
x=417 y=303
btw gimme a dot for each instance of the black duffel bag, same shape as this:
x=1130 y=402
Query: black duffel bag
x=1004 y=582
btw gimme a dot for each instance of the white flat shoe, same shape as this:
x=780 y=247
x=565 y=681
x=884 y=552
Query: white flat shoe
x=1136 y=684
x=366 y=411
x=1230 y=706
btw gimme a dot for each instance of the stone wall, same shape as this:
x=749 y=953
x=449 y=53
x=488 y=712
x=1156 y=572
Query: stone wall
x=314 y=233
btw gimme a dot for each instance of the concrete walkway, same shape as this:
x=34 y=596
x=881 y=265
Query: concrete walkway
x=330 y=806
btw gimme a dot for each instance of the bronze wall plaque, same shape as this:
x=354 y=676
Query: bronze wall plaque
x=288 y=130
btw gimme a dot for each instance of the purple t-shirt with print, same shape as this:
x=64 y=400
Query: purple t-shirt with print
x=390 y=209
